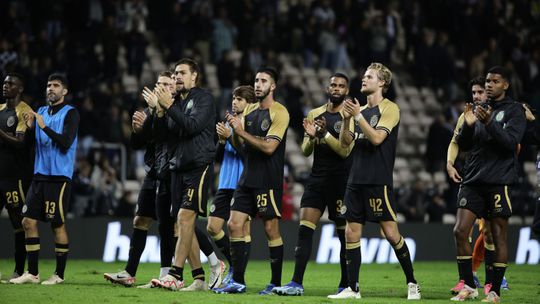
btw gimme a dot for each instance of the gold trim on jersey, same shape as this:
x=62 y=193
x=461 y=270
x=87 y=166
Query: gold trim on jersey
x=237 y=239
x=273 y=201
x=199 y=192
x=247 y=238
x=387 y=201
x=61 y=202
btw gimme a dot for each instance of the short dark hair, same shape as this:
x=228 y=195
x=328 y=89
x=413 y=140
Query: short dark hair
x=166 y=73
x=340 y=75
x=16 y=75
x=193 y=67
x=247 y=92
x=478 y=80
x=59 y=77
x=270 y=71
x=505 y=74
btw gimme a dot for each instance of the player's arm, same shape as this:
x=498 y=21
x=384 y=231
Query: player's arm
x=141 y=125
x=509 y=136
x=309 y=135
x=16 y=141
x=346 y=134
x=453 y=147
x=69 y=130
x=388 y=120
x=335 y=144
x=532 y=132
x=275 y=134
x=464 y=139
x=452 y=153
x=203 y=113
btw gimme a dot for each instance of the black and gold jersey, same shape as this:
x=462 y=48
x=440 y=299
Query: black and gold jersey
x=262 y=170
x=329 y=157
x=374 y=165
x=15 y=162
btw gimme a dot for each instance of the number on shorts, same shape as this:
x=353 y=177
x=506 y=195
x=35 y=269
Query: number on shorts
x=497 y=199
x=12 y=197
x=261 y=200
x=375 y=204
x=339 y=204
x=50 y=207
x=190 y=193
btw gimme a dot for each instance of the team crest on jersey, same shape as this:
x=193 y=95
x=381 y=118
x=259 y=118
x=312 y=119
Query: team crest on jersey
x=265 y=124
x=373 y=121
x=10 y=121
x=463 y=202
x=24 y=209
x=343 y=209
x=213 y=208
x=337 y=126
x=189 y=105
x=499 y=116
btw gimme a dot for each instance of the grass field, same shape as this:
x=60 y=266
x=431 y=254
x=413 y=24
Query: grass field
x=378 y=283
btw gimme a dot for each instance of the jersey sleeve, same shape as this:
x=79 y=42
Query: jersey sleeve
x=280 y=123
x=389 y=117
x=22 y=109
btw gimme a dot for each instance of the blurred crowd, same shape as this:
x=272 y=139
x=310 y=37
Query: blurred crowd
x=441 y=44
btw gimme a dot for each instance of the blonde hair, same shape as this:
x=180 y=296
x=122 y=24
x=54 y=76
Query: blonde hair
x=383 y=73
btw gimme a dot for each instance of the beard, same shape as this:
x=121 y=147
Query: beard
x=52 y=99
x=336 y=99
x=263 y=96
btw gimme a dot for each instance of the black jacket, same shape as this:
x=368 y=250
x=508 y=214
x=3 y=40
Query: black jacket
x=189 y=127
x=492 y=157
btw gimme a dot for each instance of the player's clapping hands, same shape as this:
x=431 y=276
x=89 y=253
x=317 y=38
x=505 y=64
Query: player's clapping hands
x=483 y=114
x=137 y=121
x=234 y=122
x=150 y=97
x=351 y=107
x=320 y=126
x=468 y=114
x=223 y=131
x=164 y=96
x=309 y=127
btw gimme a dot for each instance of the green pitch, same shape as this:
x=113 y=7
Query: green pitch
x=378 y=284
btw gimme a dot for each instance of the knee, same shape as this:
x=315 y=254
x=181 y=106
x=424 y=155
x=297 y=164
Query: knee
x=141 y=222
x=186 y=219
x=393 y=238
x=234 y=226
x=28 y=224
x=213 y=229
x=460 y=233
x=352 y=234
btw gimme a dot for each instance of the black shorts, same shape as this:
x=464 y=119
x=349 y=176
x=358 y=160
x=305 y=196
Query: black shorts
x=485 y=201
x=146 y=203
x=372 y=203
x=163 y=200
x=222 y=204
x=12 y=196
x=47 y=201
x=190 y=190
x=256 y=201
x=320 y=193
